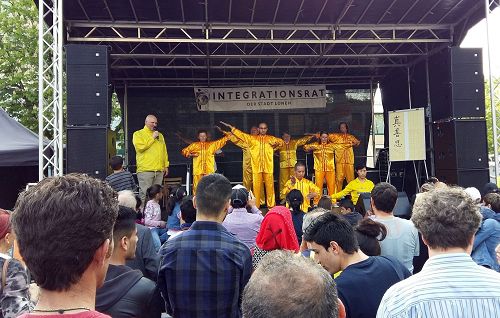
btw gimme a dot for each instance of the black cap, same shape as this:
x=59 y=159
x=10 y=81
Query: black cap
x=489 y=188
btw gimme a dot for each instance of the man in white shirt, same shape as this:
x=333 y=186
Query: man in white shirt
x=450 y=283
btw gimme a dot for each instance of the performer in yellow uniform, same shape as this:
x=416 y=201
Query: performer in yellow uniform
x=355 y=187
x=288 y=158
x=247 y=160
x=261 y=152
x=323 y=163
x=297 y=181
x=203 y=153
x=344 y=155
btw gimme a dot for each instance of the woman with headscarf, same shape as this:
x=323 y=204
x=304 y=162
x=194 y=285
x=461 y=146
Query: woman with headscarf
x=14 y=293
x=276 y=233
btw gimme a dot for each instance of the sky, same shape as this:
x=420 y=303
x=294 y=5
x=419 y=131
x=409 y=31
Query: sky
x=476 y=37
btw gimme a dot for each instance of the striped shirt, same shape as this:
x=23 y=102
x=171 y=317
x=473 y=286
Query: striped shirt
x=449 y=285
x=122 y=180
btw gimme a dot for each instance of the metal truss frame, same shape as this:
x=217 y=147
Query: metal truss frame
x=50 y=88
x=494 y=83
x=156 y=32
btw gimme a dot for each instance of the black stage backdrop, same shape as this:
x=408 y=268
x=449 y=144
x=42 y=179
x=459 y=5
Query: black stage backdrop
x=177 y=112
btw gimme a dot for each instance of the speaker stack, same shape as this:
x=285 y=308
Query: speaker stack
x=458 y=110
x=88 y=110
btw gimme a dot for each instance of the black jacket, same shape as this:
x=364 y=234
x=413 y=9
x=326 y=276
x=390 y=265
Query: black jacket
x=126 y=293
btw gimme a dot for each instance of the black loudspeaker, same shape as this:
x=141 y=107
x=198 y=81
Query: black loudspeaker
x=465 y=178
x=89 y=150
x=457 y=83
x=460 y=144
x=402 y=208
x=88 y=93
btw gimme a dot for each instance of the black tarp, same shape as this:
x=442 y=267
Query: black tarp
x=18 y=144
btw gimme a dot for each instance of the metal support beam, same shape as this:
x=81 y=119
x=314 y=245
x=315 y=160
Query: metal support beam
x=494 y=84
x=50 y=89
x=83 y=31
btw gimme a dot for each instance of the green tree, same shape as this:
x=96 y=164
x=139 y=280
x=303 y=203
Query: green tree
x=489 y=121
x=19 y=61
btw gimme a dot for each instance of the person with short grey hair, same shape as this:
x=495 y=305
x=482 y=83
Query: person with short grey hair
x=308 y=219
x=307 y=290
x=450 y=283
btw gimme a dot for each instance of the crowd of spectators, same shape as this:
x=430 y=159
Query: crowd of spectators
x=91 y=251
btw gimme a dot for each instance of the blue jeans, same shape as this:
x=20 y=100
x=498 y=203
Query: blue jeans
x=159 y=237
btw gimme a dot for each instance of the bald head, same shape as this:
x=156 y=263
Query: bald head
x=151 y=122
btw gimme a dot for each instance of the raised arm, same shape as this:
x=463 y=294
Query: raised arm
x=190 y=150
x=311 y=147
x=219 y=143
x=142 y=142
x=304 y=140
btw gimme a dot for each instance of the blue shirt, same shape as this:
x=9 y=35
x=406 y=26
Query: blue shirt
x=449 y=286
x=203 y=272
x=361 y=285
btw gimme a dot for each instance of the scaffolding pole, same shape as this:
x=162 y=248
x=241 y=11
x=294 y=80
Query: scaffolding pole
x=50 y=89
x=494 y=87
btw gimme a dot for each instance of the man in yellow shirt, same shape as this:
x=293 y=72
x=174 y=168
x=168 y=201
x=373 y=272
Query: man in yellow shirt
x=355 y=187
x=288 y=158
x=324 y=167
x=261 y=152
x=297 y=181
x=203 y=154
x=344 y=154
x=151 y=155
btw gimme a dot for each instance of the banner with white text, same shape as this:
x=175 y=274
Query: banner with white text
x=259 y=98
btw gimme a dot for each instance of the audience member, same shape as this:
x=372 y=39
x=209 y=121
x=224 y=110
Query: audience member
x=474 y=194
x=348 y=211
x=146 y=259
x=14 y=292
x=489 y=188
x=294 y=200
x=285 y=285
x=204 y=270
x=188 y=216
x=308 y=219
x=276 y=233
x=126 y=292
x=64 y=228
x=177 y=193
x=488 y=235
x=364 y=279
x=369 y=234
x=325 y=202
x=450 y=283
x=240 y=222
x=152 y=215
x=492 y=202
x=402 y=236
x=120 y=179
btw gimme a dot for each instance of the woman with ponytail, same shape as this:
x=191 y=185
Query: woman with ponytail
x=369 y=234
x=295 y=199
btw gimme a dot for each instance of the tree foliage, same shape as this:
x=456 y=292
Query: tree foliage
x=19 y=61
x=489 y=120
